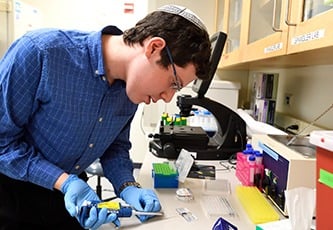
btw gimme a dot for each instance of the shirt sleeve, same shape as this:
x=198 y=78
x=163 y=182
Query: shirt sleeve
x=20 y=81
x=116 y=162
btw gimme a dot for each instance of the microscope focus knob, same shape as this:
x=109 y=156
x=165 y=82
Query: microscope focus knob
x=169 y=149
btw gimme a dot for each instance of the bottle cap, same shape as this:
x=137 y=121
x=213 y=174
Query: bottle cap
x=252 y=158
x=258 y=153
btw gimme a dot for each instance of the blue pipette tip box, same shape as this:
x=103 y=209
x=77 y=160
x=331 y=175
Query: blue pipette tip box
x=165 y=175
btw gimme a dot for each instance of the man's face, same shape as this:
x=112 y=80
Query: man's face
x=148 y=81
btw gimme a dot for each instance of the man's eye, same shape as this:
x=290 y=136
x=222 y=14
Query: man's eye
x=174 y=85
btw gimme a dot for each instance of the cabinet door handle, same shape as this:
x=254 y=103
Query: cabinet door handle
x=274 y=19
x=288 y=14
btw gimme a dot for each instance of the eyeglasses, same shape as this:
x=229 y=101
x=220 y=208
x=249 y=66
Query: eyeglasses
x=177 y=85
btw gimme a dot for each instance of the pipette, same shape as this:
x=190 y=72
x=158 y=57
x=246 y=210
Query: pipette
x=122 y=210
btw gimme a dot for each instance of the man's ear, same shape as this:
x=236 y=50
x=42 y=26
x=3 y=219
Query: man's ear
x=154 y=46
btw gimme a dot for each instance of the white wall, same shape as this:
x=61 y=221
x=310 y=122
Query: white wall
x=89 y=14
x=237 y=76
x=311 y=90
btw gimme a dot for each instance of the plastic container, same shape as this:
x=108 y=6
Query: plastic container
x=259 y=157
x=165 y=176
x=246 y=152
x=252 y=168
x=322 y=139
x=246 y=168
x=194 y=120
x=209 y=123
x=241 y=156
x=258 y=175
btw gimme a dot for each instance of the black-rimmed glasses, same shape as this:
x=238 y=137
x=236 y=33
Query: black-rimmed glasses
x=177 y=85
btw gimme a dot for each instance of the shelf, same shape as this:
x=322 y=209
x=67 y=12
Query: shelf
x=322 y=56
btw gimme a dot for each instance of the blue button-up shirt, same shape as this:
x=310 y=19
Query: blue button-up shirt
x=57 y=111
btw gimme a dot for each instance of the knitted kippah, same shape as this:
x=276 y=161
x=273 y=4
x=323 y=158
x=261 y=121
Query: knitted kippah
x=185 y=13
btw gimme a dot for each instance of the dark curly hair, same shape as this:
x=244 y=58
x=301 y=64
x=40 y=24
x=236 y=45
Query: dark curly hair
x=187 y=42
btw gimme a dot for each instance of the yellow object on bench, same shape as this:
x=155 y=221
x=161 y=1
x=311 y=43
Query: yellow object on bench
x=256 y=205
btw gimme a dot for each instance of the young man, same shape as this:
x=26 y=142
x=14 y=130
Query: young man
x=68 y=98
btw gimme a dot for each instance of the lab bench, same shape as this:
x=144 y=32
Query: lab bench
x=173 y=220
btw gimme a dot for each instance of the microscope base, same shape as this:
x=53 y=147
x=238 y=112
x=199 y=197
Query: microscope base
x=210 y=153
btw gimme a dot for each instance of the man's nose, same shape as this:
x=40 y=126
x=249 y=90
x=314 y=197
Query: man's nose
x=168 y=95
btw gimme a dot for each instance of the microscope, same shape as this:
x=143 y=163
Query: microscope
x=230 y=136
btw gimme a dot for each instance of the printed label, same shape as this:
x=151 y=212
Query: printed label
x=272 y=48
x=314 y=35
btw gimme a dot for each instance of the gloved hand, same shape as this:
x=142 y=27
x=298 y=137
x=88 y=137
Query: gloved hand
x=76 y=192
x=142 y=200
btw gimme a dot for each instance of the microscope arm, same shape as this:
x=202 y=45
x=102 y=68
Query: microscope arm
x=232 y=127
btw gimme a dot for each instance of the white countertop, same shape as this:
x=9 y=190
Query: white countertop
x=171 y=219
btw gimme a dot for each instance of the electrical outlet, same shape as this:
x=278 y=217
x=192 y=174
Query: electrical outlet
x=287 y=99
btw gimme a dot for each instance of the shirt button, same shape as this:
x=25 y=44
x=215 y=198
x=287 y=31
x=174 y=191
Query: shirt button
x=104 y=78
x=91 y=145
x=100 y=119
x=96 y=72
x=77 y=167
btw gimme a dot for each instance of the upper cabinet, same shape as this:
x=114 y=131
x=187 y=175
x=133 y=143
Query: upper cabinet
x=311 y=25
x=231 y=17
x=267 y=33
x=278 y=33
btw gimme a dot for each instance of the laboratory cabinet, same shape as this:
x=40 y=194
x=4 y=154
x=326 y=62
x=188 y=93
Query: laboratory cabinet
x=276 y=33
x=267 y=33
x=311 y=25
x=229 y=20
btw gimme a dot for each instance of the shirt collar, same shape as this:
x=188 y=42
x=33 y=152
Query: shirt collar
x=95 y=48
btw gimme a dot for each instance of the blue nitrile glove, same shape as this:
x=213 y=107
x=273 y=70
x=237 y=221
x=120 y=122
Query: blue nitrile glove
x=142 y=200
x=76 y=192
